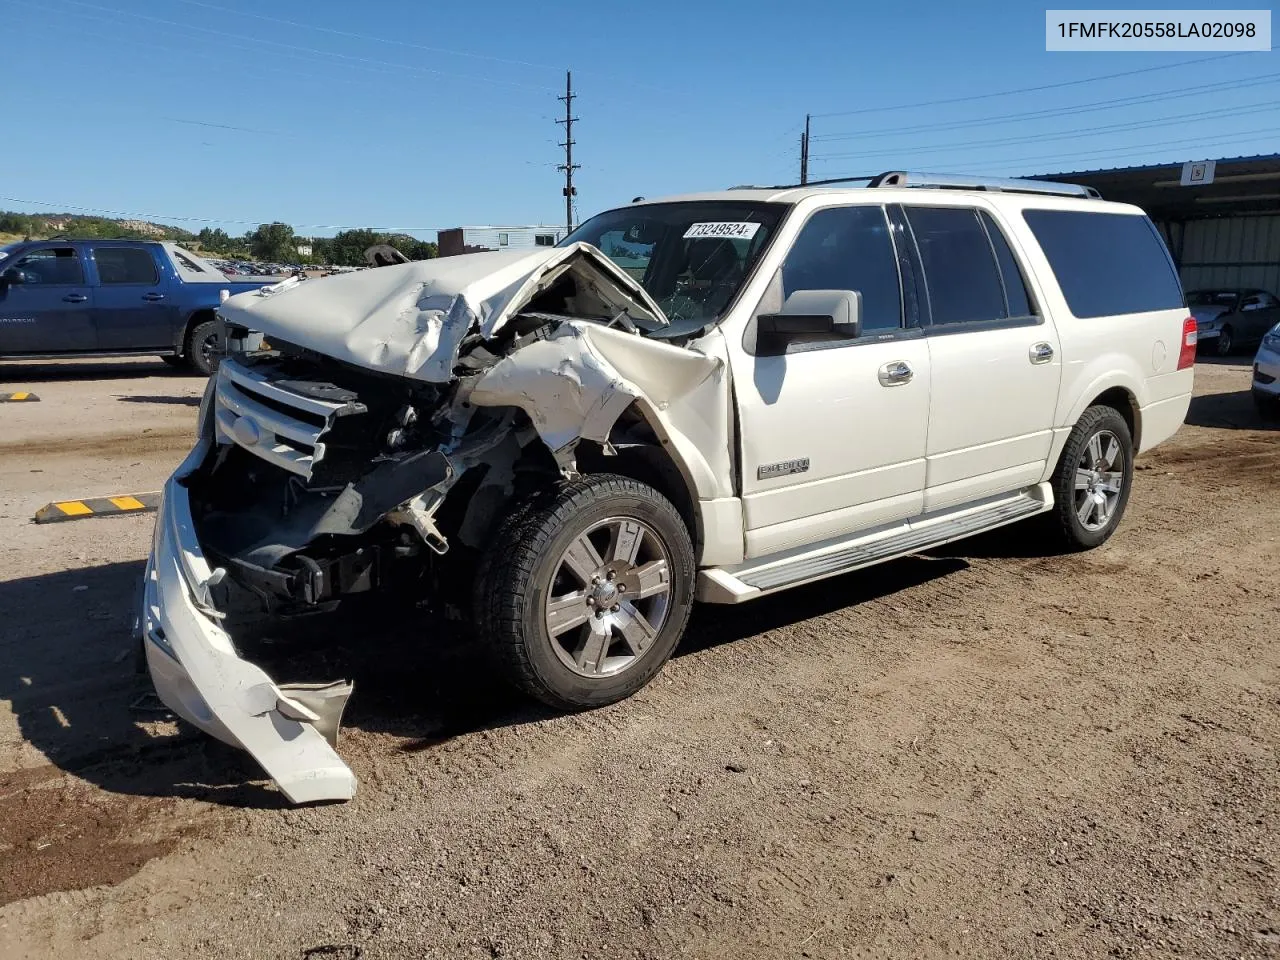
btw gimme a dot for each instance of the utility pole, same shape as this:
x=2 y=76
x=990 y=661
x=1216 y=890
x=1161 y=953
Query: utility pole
x=568 y=166
x=804 y=152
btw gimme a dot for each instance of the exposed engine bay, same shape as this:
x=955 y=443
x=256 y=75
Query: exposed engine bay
x=366 y=433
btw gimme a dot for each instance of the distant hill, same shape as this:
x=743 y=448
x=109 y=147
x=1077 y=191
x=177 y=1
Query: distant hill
x=41 y=226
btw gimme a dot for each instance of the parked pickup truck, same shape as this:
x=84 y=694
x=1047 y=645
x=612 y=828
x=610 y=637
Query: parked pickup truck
x=712 y=397
x=118 y=298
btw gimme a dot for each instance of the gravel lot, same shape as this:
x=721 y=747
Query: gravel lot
x=982 y=752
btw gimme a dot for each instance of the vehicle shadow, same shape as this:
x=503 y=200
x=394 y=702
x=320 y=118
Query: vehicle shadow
x=68 y=669
x=26 y=371
x=1228 y=411
x=177 y=401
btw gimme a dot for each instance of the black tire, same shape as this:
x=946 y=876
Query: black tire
x=1226 y=342
x=201 y=352
x=525 y=563
x=1068 y=524
x=1268 y=406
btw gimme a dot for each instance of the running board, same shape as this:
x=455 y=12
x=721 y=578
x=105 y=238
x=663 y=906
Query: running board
x=765 y=575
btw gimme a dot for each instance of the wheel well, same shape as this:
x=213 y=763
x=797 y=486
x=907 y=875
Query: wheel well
x=648 y=464
x=1124 y=403
x=196 y=318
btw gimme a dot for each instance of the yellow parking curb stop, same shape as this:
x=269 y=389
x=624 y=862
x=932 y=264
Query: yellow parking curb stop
x=97 y=507
x=22 y=396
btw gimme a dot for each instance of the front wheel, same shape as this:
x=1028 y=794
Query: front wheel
x=1092 y=481
x=585 y=593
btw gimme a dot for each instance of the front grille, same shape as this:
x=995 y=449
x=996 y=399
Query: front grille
x=280 y=426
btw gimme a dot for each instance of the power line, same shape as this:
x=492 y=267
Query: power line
x=1091 y=107
x=1064 y=135
x=1212 y=143
x=1019 y=90
x=310 y=50
x=365 y=36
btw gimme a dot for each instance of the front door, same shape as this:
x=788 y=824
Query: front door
x=994 y=359
x=833 y=430
x=132 y=308
x=45 y=303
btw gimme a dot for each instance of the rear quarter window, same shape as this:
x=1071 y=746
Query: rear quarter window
x=1107 y=263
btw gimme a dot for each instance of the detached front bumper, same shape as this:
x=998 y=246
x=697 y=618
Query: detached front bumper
x=289 y=730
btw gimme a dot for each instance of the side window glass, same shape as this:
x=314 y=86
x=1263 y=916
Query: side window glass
x=1016 y=297
x=125 y=265
x=1252 y=303
x=959 y=265
x=848 y=248
x=57 y=266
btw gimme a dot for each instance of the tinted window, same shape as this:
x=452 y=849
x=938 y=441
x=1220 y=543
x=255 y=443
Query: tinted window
x=1017 y=300
x=54 y=265
x=848 y=248
x=959 y=265
x=1106 y=263
x=125 y=265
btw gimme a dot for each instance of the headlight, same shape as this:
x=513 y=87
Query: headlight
x=1272 y=338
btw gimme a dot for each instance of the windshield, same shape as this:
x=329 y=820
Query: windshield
x=1213 y=298
x=6 y=250
x=691 y=257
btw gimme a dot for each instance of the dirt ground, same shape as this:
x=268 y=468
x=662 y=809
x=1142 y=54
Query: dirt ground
x=983 y=752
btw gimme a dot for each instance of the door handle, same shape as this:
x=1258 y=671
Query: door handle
x=153 y=296
x=1041 y=352
x=75 y=298
x=896 y=373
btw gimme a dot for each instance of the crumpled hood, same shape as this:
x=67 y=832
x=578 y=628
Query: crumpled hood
x=410 y=319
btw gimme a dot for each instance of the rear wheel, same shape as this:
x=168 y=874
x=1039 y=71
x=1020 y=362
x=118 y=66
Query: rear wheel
x=1226 y=342
x=1092 y=481
x=585 y=593
x=203 y=349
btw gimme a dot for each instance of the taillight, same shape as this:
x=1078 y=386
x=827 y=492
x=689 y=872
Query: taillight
x=1187 y=355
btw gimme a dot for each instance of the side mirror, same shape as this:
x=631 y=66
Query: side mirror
x=833 y=314
x=11 y=277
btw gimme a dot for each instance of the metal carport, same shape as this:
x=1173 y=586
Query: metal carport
x=1222 y=234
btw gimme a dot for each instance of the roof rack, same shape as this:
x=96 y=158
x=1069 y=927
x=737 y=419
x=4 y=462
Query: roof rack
x=947 y=181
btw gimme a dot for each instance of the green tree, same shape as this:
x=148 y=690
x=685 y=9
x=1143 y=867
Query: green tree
x=274 y=241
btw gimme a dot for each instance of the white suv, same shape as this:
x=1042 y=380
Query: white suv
x=716 y=396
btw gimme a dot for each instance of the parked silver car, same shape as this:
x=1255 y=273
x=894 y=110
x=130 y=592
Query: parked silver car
x=1266 y=375
x=1228 y=320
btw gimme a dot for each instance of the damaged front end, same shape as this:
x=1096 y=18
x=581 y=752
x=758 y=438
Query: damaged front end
x=391 y=417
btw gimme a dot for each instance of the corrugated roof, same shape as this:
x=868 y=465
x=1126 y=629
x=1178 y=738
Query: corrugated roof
x=1241 y=186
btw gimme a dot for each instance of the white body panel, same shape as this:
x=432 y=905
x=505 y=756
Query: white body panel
x=865 y=442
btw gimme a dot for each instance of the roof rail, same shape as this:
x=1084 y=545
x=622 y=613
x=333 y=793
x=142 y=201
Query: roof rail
x=947 y=181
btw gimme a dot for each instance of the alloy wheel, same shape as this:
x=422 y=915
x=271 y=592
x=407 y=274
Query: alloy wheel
x=1099 y=480
x=610 y=596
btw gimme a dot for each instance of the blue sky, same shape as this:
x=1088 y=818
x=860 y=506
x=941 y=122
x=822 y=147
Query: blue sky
x=424 y=115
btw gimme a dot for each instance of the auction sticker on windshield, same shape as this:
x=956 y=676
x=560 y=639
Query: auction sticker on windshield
x=731 y=230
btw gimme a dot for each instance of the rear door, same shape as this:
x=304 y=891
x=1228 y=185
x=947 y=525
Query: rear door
x=995 y=361
x=132 y=307
x=47 y=306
